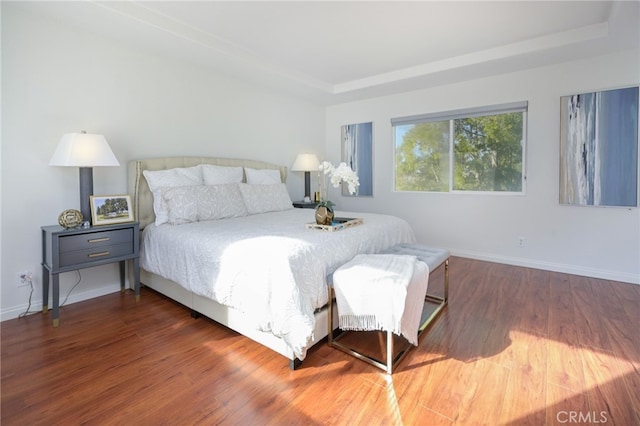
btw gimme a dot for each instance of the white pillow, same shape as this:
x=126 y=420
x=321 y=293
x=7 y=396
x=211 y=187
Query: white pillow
x=159 y=179
x=216 y=175
x=265 y=198
x=204 y=202
x=262 y=176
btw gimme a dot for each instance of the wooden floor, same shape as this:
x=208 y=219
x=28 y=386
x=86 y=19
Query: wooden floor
x=515 y=346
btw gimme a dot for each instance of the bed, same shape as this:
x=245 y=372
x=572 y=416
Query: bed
x=262 y=272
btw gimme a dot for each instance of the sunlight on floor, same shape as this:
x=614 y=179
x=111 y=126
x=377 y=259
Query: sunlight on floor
x=573 y=375
x=392 y=401
x=535 y=377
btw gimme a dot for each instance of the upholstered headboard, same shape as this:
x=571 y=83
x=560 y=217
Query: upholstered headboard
x=141 y=194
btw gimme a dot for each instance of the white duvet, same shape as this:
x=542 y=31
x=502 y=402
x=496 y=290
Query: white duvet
x=269 y=265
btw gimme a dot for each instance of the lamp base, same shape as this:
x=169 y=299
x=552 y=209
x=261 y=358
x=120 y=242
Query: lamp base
x=307 y=185
x=86 y=191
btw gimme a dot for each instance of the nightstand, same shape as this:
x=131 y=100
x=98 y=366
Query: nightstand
x=66 y=250
x=305 y=205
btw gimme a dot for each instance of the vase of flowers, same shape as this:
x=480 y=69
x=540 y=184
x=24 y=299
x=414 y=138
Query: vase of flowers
x=335 y=175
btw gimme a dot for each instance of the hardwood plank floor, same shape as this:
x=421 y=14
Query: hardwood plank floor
x=515 y=346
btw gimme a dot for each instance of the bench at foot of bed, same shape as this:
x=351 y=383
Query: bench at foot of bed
x=434 y=258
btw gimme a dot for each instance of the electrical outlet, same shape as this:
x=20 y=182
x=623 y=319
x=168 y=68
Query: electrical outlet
x=520 y=242
x=24 y=279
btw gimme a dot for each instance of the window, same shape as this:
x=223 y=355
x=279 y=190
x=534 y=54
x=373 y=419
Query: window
x=477 y=149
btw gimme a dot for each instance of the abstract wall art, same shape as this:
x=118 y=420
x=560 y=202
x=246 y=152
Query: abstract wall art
x=599 y=148
x=357 y=152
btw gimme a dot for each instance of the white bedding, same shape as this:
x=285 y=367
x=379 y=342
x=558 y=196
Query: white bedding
x=269 y=264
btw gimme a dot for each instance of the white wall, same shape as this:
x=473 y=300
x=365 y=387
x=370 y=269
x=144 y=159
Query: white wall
x=599 y=242
x=56 y=80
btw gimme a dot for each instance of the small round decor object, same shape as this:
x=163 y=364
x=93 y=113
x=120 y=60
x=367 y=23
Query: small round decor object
x=70 y=218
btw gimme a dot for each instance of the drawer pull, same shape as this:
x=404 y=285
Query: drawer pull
x=99 y=240
x=104 y=253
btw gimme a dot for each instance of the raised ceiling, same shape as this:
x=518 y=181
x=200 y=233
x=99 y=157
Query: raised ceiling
x=332 y=51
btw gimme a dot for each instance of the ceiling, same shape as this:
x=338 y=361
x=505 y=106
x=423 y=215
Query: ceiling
x=337 y=51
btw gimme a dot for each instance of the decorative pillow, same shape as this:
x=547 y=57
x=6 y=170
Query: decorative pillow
x=217 y=175
x=265 y=198
x=262 y=176
x=204 y=202
x=159 y=179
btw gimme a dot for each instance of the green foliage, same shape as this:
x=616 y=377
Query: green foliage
x=326 y=203
x=112 y=206
x=487 y=154
x=422 y=159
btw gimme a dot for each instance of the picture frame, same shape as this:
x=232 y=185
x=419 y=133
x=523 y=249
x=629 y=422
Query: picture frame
x=599 y=148
x=111 y=209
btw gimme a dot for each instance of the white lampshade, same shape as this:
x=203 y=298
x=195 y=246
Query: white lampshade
x=83 y=150
x=305 y=163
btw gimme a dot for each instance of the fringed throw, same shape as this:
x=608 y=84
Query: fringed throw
x=381 y=292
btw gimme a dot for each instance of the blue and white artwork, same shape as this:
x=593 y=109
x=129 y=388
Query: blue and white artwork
x=599 y=148
x=357 y=152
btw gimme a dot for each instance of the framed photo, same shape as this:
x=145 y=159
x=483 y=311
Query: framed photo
x=110 y=209
x=599 y=148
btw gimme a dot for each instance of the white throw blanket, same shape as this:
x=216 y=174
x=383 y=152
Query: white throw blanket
x=382 y=292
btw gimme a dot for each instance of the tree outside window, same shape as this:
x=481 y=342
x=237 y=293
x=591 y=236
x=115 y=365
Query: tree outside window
x=481 y=153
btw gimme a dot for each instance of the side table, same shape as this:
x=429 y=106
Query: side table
x=66 y=250
x=305 y=205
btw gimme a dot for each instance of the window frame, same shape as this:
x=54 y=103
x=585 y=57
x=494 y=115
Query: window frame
x=451 y=116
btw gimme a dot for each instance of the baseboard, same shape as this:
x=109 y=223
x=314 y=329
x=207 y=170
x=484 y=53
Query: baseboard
x=550 y=266
x=36 y=305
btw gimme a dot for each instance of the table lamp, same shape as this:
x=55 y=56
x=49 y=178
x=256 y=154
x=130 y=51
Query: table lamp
x=306 y=163
x=85 y=151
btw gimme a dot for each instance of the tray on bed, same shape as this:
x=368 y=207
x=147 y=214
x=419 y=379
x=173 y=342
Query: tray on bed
x=338 y=224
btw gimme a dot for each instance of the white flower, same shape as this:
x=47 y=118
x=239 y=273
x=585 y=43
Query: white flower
x=343 y=173
x=326 y=167
x=337 y=175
